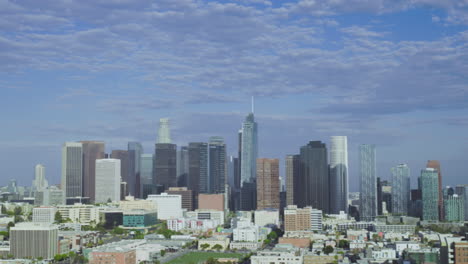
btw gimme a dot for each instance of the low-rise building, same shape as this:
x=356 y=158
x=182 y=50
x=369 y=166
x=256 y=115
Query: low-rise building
x=242 y=245
x=80 y=213
x=277 y=257
x=191 y=224
x=321 y=259
x=267 y=217
x=169 y=206
x=44 y=215
x=297 y=242
x=206 y=214
x=139 y=218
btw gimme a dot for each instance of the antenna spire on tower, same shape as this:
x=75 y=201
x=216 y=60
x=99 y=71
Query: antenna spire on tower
x=252 y=104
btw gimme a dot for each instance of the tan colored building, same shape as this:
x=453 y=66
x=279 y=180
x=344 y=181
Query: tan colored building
x=321 y=259
x=187 y=196
x=461 y=253
x=297 y=219
x=268 y=185
x=119 y=256
x=211 y=202
x=129 y=205
x=297 y=242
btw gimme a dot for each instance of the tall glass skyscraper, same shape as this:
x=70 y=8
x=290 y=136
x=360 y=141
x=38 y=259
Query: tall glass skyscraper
x=134 y=185
x=92 y=150
x=164 y=133
x=400 y=189
x=72 y=169
x=249 y=154
x=146 y=162
x=338 y=174
x=217 y=165
x=367 y=182
x=430 y=194
x=182 y=166
x=198 y=180
x=435 y=164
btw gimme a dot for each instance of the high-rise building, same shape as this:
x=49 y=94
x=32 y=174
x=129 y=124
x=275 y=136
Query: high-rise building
x=146 y=163
x=72 y=169
x=268 y=185
x=249 y=156
x=338 y=174
x=368 y=182
x=198 y=180
x=400 y=189
x=302 y=219
x=182 y=166
x=217 y=165
x=435 y=164
x=185 y=193
x=107 y=180
x=164 y=133
x=314 y=176
x=92 y=150
x=462 y=190
x=34 y=240
x=39 y=182
x=293 y=184
x=134 y=184
x=165 y=165
x=454 y=206
x=430 y=194
x=123 y=156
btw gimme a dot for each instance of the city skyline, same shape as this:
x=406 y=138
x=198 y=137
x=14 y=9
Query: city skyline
x=380 y=72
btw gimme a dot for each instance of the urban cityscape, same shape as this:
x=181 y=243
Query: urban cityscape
x=249 y=132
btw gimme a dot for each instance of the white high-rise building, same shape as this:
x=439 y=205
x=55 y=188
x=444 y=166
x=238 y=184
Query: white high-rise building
x=164 y=132
x=39 y=182
x=169 y=205
x=34 y=240
x=107 y=180
x=44 y=214
x=72 y=169
x=338 y=174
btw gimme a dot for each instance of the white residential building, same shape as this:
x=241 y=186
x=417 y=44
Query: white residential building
x=202 y=214
x=80 y=213
x=276 y=257
x=108 y=180
x=44 y=214
x=384 y=254
x=267 y=217
x=192 y=224
x=169 y=206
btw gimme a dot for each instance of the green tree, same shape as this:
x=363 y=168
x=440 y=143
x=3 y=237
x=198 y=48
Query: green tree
x=266 y=241
x=327 y=250
x=18 y=218
x=17 y=210
x=217 y=247
x=118 y=231
x=163 y=252
x=204 y=246
x=10 y=225
x=4 y=210
x=343 y=244
x=58 y=217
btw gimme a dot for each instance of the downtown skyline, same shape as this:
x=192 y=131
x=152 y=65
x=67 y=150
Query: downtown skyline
x=389 y=73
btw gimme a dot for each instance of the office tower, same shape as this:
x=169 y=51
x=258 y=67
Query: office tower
x=416 y=203
x=124 y=158
x=462 y=190
x=430 y=194
x=134 y=184
x=314 y=176
x=454 y=206
x=198 y=180
x=368 y=182
x=249 y=153
x=268 y=185
x=92 y=150
x=165 y=165
x=400 y=189
x=217 y=165
x=107 y=180
x=39 y=182
x=435 y=164
x=293 y=184
x=44 y=215
x=182 y=166
x=72 y=169
x=34 y=240
x=164 y=133
x=379 y=197
x=185 y=193
x=146 y=163
x=338 y=174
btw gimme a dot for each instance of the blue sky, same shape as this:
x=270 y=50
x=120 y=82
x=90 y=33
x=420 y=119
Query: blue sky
x=389 y=72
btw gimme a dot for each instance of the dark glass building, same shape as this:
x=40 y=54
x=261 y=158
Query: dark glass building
x=217 y=165
x=134 y=183
x=165 y=165
x=92 y=150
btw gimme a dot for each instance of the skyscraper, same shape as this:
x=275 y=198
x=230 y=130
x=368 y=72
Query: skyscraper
x=462 y=190
x=314 y=176
x=435 y=164
x=182 y=166
x=217 y=165
x=107 y=180
x=134 y=184
x=430 y=194
x=164 y=133
x=268 y=185
x=454 y=206
x=400 y=189
x=338 y=174
x=198 y=180
x=249 y=155
x=293 y=184
x=367 y=182
x=165 y=165
x=146 y=174
x=72 y=169
x=92 y=150
x=123 y=156
x=39 y=182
